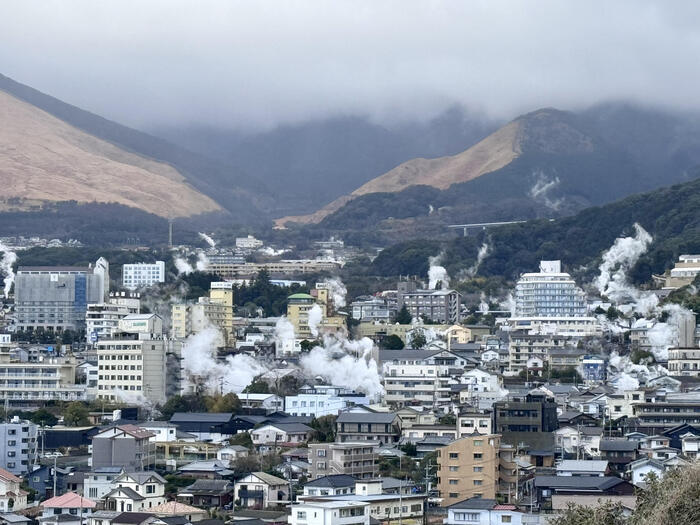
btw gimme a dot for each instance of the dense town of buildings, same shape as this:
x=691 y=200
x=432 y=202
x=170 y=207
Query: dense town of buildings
x=513 y=419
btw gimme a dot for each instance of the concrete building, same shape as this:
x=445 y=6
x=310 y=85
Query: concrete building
x=299 y=305
x=248 y=243
x=358 y=459
x=141 y=275
x=683 y=273
x=419 y=377
x=216 y=310
x=125 y=446
x=260 y=490
x=482 y=511
x=372 y=308
x=534 y=412
x=283 y=268
x=469 y=467
x=18 y=446
x=55 y=298
x=132 y=363
x=102 y=319
x=438 y=305
x=548 y=293
x=382 y=427
x=330 y=513
x=684 y=361
x=322 y=401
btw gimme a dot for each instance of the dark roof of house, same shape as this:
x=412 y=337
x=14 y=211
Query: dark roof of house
x=366 y=417
x=175 y=520
x=201 y=417
x=578 y=483
x=211 y=522
x=131 y=493
x=132 y=518
x=406 y=353
x=208 y=486
x=289 y=427
x=621 y=445
x=334 y=481
x=474 y=503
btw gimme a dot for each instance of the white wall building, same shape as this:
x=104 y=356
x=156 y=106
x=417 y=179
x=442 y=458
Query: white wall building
x=330 y=513
x=140 y=275
x=18 y=446
x=248 y=243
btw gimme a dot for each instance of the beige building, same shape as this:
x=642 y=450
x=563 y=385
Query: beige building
x=684 y=361
x=215 y=310
x=282 y=268
x=358 y=459
x=52 y=379
x=132 y=363
x=469 y=467
x=299 y=305
x=683 y=273
x=378 y=330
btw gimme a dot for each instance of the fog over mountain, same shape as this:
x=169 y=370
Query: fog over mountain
x=255 y=65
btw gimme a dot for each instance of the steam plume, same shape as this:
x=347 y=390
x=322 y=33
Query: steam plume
x=337 y=290
x=208 y=239
x=437 y=273
x=540 y=190
x=315 y=317
x=8 y=259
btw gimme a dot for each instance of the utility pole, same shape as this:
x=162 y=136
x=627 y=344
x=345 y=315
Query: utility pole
x=54 y=476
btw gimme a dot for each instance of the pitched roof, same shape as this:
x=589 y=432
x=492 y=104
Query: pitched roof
x=288 y=427
x=366 y=417
x=578 y=483
x=128 y=492
x=474 y=503
x=173 y=507
x=207 y=485
x=583 y=465
x=69 y=500
x=201 y=417
x=334 y=481
x=132 y=430
x=269 y=478
x=132 y=518
x=621 y=445
x=9 y=476
x=142 y=477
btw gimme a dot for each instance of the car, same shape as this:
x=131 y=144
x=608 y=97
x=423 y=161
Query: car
x=55 y=454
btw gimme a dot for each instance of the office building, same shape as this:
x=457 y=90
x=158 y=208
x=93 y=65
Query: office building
x=141 y=275
x=132 y=362
x=549 y=293
x=18 y=446
x=441 y=306
x=55 y=298
x=535 y=412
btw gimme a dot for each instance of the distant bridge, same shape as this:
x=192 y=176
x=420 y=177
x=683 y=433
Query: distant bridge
x=482 y=225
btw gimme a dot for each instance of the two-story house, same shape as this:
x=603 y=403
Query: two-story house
x=68 y=509
x=260 y=490
x=136 y=492
x=12 y=498
x=384 y=427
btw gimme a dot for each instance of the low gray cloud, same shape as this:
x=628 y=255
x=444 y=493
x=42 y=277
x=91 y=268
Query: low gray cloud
x=255 y=64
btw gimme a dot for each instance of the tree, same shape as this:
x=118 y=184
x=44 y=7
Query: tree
x=410 y=449
x=76 y=415
x=44 y=418
x=448 y=419
x=241 y=438
x=393 y=342
x=226 y=403
x=258 y=386
x=307 y=346
x=418 y=340
x=187 y=403
x=324 y=429
x=403 y=316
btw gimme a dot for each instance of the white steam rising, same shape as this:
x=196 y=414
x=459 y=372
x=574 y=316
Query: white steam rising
x=208 y=239
x=480 y=256
x=184 y=267
x=8 y=259
x=271 y=252
x=508 y=304
x=437 y=273
x=202 y=368
x=345 y=363
x=315 y=317
x=483 y=304
x=540 y=190
x=337 y=291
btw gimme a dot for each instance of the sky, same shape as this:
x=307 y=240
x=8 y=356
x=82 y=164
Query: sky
x=252 y=65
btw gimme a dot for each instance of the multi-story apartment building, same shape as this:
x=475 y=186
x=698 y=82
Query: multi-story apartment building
x=471 y=467
x=141 y=275
x=684 y=361
x=684 y=272
x=248 y=243
x=419 y=377
x=472 y=421
x=382 y=427
x=358 y=459
x=102 y=319
x=654 y=416
x=18 y=446
x=55 y=298
x=132 y=363
x=548 y=293
x=125 y=446
x=373 y=309
x=534 y=412
x=299 y=306
x=524 y=347
x=438 y=305
x=215 y=310
x=322 y=401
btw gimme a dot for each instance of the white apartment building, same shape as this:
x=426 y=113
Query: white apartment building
x=322 y=401
x=102 y=319
x=330 y=513
x=140 y=275
x=18 y=446
x=422 y=376
x=548 y=293
x=132 y=363
x=248 y=243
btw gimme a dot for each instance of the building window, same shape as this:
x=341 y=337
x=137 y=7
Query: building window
x=454 y=455
x=478 y=482
x=454 y=468
x=478 y=456
x=506 y=519
x=453 y=482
